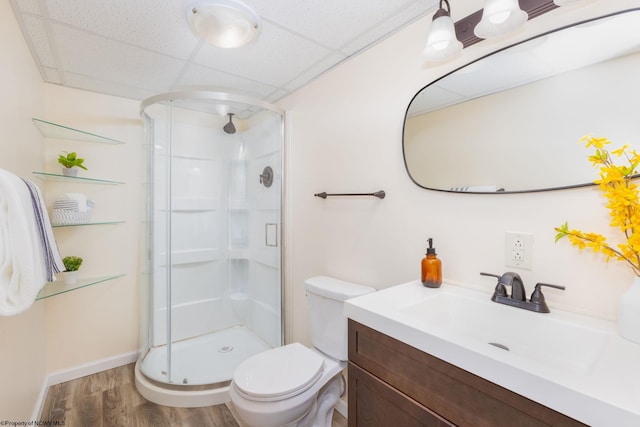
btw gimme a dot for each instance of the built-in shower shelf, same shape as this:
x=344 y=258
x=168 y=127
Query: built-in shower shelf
x=78 y=179
x=88 y=223
x=59 y=287
x=192 y=157
x=56 y=131
x=194 y=204
x=266 y=257
x=239 y=254
x=190 y=256
x=238 y=205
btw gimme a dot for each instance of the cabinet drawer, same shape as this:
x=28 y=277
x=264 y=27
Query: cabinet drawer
x=456 y=395
x=373 y=403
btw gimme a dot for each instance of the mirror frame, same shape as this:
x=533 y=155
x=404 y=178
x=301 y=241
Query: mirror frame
x=536 y=190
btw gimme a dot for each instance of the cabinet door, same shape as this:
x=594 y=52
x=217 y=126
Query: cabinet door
x=374 y=403
x=456 y=395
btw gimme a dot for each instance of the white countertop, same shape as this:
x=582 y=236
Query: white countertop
x=604 y=393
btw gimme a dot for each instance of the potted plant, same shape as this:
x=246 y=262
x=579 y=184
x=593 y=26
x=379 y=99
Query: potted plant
x=71 y=265
x=70 y=161
x=617 y=184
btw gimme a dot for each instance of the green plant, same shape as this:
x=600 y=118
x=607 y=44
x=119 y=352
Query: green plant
x=71 y=160
x=623 y=197
x=72 y=263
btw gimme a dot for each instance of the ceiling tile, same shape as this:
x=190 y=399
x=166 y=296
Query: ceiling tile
x=314 y=71
x=111 y=88
x=28 y=6
x=199 y=77
x=160 y=26
x=334 y=23
x=39 y=41
x=133 y=47
x=276 y=58
x=383 y=29
x=105 y=59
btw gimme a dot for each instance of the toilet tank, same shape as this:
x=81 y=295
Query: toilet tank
x=328 y=324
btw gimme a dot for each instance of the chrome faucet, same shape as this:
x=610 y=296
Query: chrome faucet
x=517 y=298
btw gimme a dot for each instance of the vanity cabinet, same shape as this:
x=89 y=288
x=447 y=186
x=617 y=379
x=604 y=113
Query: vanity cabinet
x=394 y=384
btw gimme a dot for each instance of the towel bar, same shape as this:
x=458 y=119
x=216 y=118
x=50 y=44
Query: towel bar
x=379 y=194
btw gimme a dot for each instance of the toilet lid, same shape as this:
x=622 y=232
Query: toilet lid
x=279 y=373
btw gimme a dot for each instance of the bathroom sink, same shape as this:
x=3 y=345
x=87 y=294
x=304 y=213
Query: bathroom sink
x=537 y=338
x=575 y=364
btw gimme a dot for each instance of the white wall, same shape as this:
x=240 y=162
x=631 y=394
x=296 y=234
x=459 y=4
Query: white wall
x=345 y=136
x=89 y=324
x=100 y=321
x=22 y=337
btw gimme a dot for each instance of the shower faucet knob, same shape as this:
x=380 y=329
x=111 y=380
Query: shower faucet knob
x=266 y=178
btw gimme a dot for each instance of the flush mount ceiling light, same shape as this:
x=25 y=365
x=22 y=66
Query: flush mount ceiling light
x=223 y=23
x=442 y=43
x=500 y=17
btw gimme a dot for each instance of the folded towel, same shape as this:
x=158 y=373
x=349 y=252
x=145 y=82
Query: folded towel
x=84 y=205
x=52 y=259
x=23 y=271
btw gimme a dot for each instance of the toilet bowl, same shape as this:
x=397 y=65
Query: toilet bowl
x=287 y=386
x=294 y=385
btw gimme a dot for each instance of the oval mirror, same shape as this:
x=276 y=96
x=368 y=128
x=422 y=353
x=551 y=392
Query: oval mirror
x=512 y=121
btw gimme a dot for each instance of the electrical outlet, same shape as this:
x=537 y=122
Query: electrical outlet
x=518 y=250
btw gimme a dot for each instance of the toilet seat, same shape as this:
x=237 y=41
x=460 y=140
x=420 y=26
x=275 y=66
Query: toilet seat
x=278 y=374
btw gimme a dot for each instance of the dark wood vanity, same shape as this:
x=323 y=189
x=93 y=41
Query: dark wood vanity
x=394 y=384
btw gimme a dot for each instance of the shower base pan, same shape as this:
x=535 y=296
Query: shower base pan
x=202 y=368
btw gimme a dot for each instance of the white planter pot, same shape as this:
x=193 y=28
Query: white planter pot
x=70 y=277
x=70 y=171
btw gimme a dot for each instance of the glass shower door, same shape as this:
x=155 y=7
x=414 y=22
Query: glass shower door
x=215 y=292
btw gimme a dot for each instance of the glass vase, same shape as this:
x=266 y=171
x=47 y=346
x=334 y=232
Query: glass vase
x=629 y=312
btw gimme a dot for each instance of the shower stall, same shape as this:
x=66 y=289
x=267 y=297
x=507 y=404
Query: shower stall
x=211 y=251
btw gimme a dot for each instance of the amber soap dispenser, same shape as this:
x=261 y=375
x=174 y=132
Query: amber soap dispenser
x=431 y=268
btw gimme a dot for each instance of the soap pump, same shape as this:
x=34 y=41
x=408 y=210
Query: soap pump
x=431 y=268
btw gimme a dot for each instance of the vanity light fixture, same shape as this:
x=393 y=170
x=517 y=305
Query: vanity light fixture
x=442 y=43
x=223 y=23
x=500 y=17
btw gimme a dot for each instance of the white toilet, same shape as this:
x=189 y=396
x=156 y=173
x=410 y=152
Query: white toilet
x=294 y=385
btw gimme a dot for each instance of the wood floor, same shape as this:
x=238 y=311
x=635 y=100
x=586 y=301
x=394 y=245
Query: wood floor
x=110 y=398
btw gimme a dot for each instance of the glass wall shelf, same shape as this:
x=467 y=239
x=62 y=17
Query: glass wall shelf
x=87 y=223
x=53 y=130
x=57 y=177
x=59 y=287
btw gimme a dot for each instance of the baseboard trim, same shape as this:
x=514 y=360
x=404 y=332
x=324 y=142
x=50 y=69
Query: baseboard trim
x=80 y=371
x=342 y=407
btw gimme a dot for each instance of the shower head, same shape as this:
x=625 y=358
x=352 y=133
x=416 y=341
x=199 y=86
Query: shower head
x=229 y=128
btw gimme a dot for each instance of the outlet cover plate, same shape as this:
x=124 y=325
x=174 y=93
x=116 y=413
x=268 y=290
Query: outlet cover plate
x=518 y=251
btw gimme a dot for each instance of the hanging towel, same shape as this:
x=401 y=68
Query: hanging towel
x=23 y=270
x=52 y=260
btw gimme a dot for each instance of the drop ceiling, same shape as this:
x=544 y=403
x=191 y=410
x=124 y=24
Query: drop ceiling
x=140 y=48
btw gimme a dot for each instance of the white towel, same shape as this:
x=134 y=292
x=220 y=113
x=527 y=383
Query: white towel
x=23 y=269
x=84 y=205
x=52 y=259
